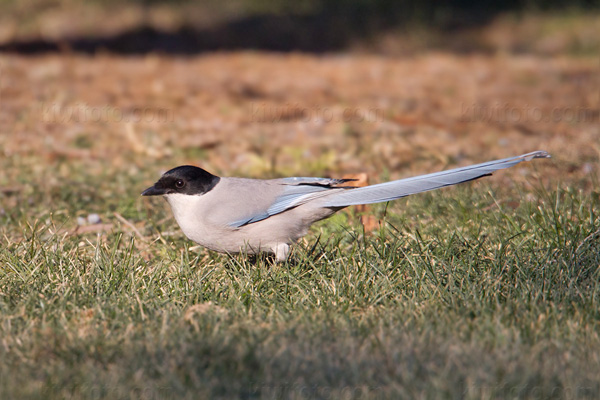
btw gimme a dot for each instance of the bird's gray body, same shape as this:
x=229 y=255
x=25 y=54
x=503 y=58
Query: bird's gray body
x=207 y=219
x=249 y=215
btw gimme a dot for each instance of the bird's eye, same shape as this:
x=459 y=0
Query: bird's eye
x=179 y=183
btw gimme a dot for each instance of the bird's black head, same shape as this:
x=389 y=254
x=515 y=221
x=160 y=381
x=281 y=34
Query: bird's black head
x=186 y=179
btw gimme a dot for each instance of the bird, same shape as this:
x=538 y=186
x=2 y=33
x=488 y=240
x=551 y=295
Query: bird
x=241 y=215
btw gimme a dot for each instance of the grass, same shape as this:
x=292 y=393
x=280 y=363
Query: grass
x=461 y=294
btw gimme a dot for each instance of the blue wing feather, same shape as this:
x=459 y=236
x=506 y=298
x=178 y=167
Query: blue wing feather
x=296 y=191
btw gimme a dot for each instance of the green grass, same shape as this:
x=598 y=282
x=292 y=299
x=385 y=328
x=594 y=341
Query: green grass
x=458 y=296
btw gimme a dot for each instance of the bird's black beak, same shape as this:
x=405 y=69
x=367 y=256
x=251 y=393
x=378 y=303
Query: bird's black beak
x=153 y=191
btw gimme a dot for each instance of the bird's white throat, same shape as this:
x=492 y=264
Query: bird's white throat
x=185 y=207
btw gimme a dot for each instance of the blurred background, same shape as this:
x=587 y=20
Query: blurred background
x=97 y=91
x=316 y=26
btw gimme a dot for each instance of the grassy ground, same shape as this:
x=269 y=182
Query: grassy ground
x=457 y=296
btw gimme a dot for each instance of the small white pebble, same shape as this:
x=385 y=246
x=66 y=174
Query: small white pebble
x=81 y=221
x=530 y=197
x=93 y=219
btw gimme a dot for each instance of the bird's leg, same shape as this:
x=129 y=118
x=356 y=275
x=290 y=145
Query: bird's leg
x=281 y=251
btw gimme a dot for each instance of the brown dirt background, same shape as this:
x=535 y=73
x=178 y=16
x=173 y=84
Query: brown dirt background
x=260 y=113
x=368 y=109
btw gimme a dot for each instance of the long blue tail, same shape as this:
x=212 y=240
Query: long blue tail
x=404 y=187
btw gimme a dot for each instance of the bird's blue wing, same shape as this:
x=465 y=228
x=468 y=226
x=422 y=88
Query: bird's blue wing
x=296 y=191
